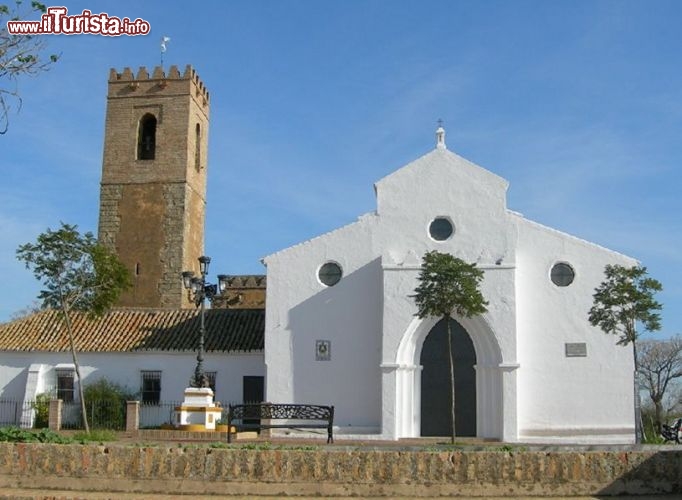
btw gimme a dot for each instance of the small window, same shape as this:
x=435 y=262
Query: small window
x=562 y=274
x=441 y=229
x=146 y=141
x=330 y=274
x=197 y=148
x=151 y=387
x=65 y=385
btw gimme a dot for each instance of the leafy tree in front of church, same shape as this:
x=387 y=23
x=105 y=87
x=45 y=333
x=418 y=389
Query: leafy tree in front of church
x=449 y=285
x=78 y=274
x=20 y=55
x=622 y=301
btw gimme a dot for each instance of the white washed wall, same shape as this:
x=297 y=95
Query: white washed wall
x=368 y=314
x=301 y=311
x=568 y=398
x=125 y=369
x=526 y=387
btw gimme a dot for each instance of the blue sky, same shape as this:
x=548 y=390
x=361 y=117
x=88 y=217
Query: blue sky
x=578 y=104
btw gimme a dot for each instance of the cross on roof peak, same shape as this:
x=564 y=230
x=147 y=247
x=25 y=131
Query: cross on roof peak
x=440 y=136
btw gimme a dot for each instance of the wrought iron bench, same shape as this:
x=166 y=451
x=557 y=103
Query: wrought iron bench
x=297 y=415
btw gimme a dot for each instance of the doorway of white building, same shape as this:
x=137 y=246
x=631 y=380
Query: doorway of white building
x=435 y=382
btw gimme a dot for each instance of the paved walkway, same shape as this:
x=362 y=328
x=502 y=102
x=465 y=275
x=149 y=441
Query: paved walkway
x=174 y=438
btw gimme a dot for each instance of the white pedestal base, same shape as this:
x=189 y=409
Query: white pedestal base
x=198 y=412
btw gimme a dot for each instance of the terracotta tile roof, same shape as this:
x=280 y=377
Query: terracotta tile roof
x=127 y=330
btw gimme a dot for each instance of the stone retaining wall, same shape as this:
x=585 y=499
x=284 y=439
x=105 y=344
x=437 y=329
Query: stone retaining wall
x=337 y=471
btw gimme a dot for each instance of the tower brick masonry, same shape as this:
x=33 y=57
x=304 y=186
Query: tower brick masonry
x=153 y=189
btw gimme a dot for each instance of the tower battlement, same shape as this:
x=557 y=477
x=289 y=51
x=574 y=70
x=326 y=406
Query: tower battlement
x=127 y=82
x=153 y=188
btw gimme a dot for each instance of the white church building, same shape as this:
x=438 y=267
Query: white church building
x=341 y=326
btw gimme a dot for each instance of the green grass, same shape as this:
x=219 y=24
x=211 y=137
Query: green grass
x=98 y=436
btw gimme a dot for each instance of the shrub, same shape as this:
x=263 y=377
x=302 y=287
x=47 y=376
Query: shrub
x=16 y=435
x=42 y=411
x=106 y=404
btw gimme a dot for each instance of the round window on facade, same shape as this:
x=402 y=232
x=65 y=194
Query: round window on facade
x=330 y=274
x=562 y=274
x=441 y=229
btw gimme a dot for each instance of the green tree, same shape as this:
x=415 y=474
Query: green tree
x=20 y=55
x=449 y=285
x=78 y=274
x=622 y=301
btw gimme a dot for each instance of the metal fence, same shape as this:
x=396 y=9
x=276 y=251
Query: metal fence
x=153 y=415
x=24 y=413
x=102 y=414
x=8 y=411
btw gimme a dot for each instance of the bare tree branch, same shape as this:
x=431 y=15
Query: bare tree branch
x=20 y=55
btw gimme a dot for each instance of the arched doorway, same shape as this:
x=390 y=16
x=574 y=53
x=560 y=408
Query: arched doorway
x=495 y=382
x=435 y=382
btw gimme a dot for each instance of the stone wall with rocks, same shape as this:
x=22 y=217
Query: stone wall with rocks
x=339 y=471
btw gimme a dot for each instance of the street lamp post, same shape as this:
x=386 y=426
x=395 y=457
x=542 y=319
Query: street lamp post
x=198 y=290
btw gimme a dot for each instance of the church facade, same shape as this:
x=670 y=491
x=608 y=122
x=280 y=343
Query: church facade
x=341 y=326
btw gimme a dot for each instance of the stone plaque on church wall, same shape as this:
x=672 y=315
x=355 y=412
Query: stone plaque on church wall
x=576 y=349
x=323 y=350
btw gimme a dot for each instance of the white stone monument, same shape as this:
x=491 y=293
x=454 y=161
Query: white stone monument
x=198 y=412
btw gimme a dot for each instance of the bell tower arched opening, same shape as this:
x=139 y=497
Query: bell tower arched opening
x=146 y=143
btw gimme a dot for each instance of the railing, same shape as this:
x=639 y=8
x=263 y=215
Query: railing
x=153 y=415
x=102 y=414
x=23 y=413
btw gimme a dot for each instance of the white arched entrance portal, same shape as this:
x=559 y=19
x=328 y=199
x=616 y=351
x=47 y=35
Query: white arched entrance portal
x=495 y=382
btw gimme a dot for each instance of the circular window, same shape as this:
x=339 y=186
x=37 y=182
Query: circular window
x=330 y=274
x=441 y=229
x=562 y=274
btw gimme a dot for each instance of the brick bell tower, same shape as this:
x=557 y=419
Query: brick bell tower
x=153 y=189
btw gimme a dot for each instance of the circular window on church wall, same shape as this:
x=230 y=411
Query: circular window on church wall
x=441 y=228
x=562 y=274
x=329 y=273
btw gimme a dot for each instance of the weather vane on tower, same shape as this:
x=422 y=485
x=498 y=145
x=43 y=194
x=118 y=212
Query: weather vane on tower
x=164 y=41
